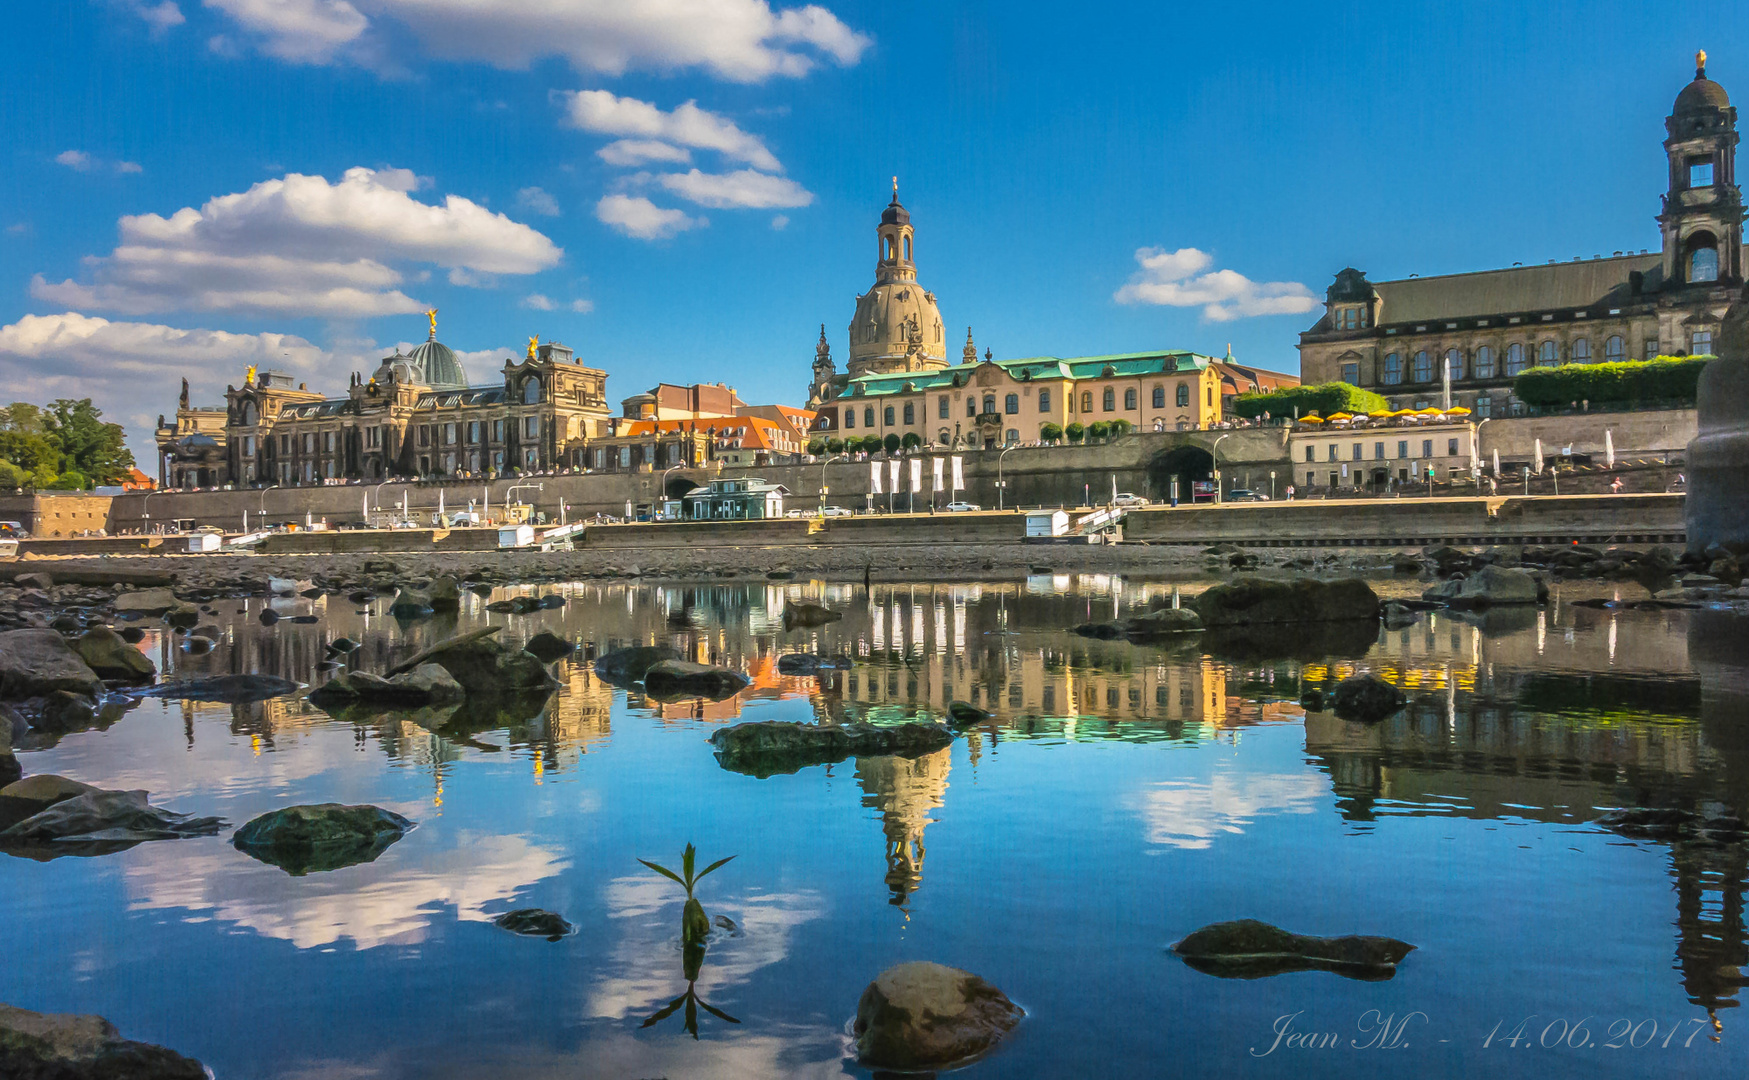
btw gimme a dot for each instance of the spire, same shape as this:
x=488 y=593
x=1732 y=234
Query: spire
x=822 y=350
x=971 y=351
x=1699 y=73
x=896 y=179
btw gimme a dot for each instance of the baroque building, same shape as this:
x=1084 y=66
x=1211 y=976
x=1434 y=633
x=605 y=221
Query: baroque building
x=1403 y=338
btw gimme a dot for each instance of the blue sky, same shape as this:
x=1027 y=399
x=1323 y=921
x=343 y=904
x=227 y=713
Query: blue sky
x=190 y=186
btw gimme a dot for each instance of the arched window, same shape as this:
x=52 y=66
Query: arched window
x=1549 y=354
x=1129 y=399
x=1514 y=358
x=989 y=403
x=1109 y=399
x=910 y=414
x=1422 y=369
x=1454 y=364
x=249 y=414
x=868 y=416
x=1484 y=362
x=1615 y=349
x=1581 y=351
x=1159 y=397
x=907 y=249
x=1011 y=404
x=1393 y=369
x=530 y=391
x=1183 y=396
x=944 y=436
x=887 y=415
x=1703 y=264
x=849 y=418
x=1086 y=401
x=1012 y=437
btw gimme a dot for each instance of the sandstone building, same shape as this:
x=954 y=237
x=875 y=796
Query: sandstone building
x=1400 y=338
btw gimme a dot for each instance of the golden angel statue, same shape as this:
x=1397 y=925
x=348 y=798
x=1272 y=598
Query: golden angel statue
x=533 y=342
x=431 y=317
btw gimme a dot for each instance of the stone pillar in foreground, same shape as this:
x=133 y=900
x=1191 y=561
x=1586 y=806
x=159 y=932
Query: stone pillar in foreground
x=1718 y=459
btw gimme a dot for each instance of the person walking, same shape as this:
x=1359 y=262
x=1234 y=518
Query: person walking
x=1290 y=493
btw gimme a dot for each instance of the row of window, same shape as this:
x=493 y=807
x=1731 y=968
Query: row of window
x=1378 y=450
x=1516 y=360
x=1011 y=405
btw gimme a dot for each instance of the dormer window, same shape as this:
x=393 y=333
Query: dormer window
x=1353 y=318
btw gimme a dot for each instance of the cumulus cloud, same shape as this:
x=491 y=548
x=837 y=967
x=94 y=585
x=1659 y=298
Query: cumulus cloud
x=582 y=307
x=160 y=17
x=633 y=152
x=301 y=245
x=538 y=302
x=780 y=222
x=605 y=113
x=1182 y=278
x=538 y=201
x=637 y=216
x=77 y=160
x=737 y=40
x=747 y=188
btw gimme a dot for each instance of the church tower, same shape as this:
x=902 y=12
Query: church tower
x=821 y=389
x=897 y=326
x=1702 y=218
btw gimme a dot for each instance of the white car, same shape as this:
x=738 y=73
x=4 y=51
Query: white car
x=1129 y=498
x=834 y=511
x=962 y=507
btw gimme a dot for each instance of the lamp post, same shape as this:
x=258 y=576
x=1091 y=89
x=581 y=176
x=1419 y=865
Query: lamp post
x=823 y=464
x=1272 y=485
x=378 y=492
x=1000 y=483
x=1215 y=460
x=146 y=512
x=663 y=485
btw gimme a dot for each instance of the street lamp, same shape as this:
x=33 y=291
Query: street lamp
x=663 y=493
x=823 y=464
x=1272 y=485
x=1215 y=461
x=1000 y=484
x=378 y=492
x=145 y=511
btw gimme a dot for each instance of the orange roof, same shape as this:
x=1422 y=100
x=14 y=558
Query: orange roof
x=749 y=432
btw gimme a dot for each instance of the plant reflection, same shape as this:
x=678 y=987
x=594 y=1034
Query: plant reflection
x=692 y=961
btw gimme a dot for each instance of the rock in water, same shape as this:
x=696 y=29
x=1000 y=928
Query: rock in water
x=323 y=836
x=1249 y=949
x=146 y=602
x=231 y=689
x=771 y=747
x=1162 y=622
x=105 y=653
x=38 y=662
x=674 y=679
x=623 y=666
x=1487 y=586
x=427 y=684
x=548 y=646
x=411 y=604
x=1366 y=698
x=533 y=922
x=1247 y=601
x=61 y=1046
x=107 y=815
x=921 y=1017
x=965 y=714
x=796 y=616
x=443 y=594
x=484 y=666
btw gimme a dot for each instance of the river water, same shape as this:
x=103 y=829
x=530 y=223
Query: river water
x=1123 y=797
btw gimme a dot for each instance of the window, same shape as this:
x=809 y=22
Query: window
x=944 y=436
x=1402 y=448
x=1484 y=362
x=1422 y=370
x=1351 y=374
x=1703 y=264
x=1333 y=452
x=1700 y=174
x=1129 y=400
x=1011 y=437
x=531 y=426
x=868 y=416
x=1426 y=447
x=1701 y=344
x=1484 y=406
x=1393 y=369
x=1581 y=351
x=1011 y=404
x=850 y=419
x=1044 y=400
x=1358 y=455
x=887 y=416
x=1159 y=397
x=1514 y=359
x=1451 y=448
x=941 y=407
x=530 y=391
x=1310 y=456
x=1183 y=397
x=1454 y=364
x=971 y=406
x=1549 y=355
x=1651 y=349
x=1109 y=399
x=989 y=403
x=1378 y=451
x=1615 y=349
x=497 y=431
x=1086 y=401
x=910 y=414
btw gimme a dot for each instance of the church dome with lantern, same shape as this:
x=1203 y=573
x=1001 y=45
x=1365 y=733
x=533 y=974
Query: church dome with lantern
x=897 y=326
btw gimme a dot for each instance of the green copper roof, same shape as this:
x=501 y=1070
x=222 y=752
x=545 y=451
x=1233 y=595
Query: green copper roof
x=1031 y=368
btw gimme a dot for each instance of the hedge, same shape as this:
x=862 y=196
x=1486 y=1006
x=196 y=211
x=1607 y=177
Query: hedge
x=1668 y=378
x=1323 y=399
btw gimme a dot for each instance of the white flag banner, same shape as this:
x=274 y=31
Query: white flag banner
x=958 y=475
x=893 y=475
x=916 y=475
x=937 y=464
x=874 y=477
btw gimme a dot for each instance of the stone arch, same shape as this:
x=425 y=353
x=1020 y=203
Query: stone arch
x=1185 y=464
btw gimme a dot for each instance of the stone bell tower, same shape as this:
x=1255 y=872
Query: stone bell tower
x=820 y=390
x=897 y=326
x=1702 y=218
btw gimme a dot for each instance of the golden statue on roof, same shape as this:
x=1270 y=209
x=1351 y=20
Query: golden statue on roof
x=431 y=317
x=533 y=343
x=248 y=374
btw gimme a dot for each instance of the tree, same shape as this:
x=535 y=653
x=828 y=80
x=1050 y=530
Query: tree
x=11 y=476
x=912 y=440
x=1120 y=427
x=871 y=444
x=817 y=446
x=1051 y=433
x=835 y=446
x=891 y=444
x=1666 y=379
x=73 y=480
x=1099 y=429
x=1322 y=398
x=1075 y=432
x=88 y=446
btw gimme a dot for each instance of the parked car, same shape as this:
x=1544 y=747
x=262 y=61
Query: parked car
x=962 y=507
x=834 y=511
x=14 y=530
x=1245 y=495
x=1128 y=498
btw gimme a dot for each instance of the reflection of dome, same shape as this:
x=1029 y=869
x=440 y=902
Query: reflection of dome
x=437 y=366
x=905 y=791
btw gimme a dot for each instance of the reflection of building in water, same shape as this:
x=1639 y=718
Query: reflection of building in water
x=905 y=791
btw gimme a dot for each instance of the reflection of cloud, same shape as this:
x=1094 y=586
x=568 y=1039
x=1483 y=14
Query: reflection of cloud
x=644 y=970
x=1186 y=814
x=373 y=904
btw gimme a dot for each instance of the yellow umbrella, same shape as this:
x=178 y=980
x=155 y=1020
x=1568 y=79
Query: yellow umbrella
x=1457 y=410
x=1340 y=416
x=1382 y=414
x=1404 y=412
x=1429 y=411
x=1311 y=418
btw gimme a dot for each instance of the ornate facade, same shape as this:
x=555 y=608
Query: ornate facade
x=1401 y=338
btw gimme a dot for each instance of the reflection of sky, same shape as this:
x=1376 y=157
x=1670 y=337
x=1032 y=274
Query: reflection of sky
x=1192 y=813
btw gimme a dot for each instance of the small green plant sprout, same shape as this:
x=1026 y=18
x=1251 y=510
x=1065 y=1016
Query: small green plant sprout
x=694 y=925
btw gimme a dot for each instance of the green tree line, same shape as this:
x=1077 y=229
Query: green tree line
x=1665 y=379
x=1320 y=398
x=64 y=445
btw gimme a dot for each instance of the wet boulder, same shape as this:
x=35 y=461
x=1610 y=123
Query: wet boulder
x=37 y=662
x=1250 y=949
x=1163 y=622
x=230 y=689
x=534 y=922
x=964 y=714
x=922 y=1017
x=800 y=616
x=280 y=586
x=66 y=711
x=810 y=663
x=1487 y=586
x=675 y=679
x=548 y=646
x=1104 y=631
x=629 y=665
x=515 y=605
x=1397 y=615
x=62 y=1046
x=22 y=798
x=1366 y=698
x=427 y=684
x=552 y=602
x=97 y=815
x=144 y=602
x=411 y=604
x=773 y=747
x=322 y=836
x=1251 y=601
x=484 y=665
x=444 y=593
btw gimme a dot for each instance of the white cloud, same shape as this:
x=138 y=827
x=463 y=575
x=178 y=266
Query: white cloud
x=1192 y=814
x=604 y=113
x=745 y=188
x=780 y=222
x=637 y=216
x=303 y=31
x=634 y=152
x=1182 y=279
x=128 y=167
x=301 y=245
x=537 y=302
x=160 y=17
x=77 y=160
x=538 y=201
x=582 y=307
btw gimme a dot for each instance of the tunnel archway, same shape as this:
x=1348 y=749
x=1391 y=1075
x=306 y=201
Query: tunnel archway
x=678 y=485
x=1185 y=465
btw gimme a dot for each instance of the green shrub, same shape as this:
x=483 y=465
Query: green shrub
x=1666 y=378
x=1121 y=427
x=891 y=444
x=1323 y=399
x=912 y=440
x=1075 y=432
x=1099 y=429
x=835 y=446
x=1051 y=433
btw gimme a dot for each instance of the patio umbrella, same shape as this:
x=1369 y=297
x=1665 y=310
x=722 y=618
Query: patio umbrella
x=1609 y=449
x=1457 y=410
x=1382 y=414
x=1311 y=418
x=1539 y=457
x=1496 y=461
x=1334 y=417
